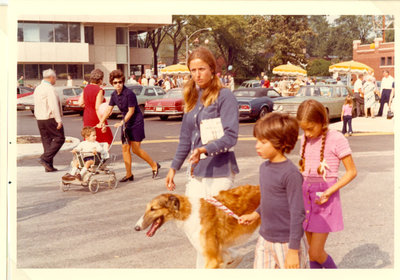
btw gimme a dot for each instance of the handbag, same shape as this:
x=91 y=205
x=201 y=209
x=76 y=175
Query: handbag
x=390 y=114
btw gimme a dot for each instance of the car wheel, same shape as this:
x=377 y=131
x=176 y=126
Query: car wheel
x=81 y=113
x=164 y=118
x=263 y=112
x=33 y=111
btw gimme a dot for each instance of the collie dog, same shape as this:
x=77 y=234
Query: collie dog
x=210 y=230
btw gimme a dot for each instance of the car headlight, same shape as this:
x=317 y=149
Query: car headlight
x=277 y=107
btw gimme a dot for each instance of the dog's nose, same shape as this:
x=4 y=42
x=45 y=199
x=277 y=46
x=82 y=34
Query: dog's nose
x=137 y=228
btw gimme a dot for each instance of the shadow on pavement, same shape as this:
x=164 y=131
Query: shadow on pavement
x=365 y=256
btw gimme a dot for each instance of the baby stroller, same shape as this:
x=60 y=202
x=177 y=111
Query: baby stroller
x=99 y=173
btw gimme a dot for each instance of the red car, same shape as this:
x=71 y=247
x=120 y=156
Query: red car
x=71 y=104
x=170 y=105
x=24 y=91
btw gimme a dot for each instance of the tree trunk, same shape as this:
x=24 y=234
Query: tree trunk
x=155 y=50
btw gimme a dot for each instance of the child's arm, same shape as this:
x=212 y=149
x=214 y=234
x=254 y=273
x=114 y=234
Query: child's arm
x=341 y=116
x=248 y=219
x=351 y=173
x=292 y=259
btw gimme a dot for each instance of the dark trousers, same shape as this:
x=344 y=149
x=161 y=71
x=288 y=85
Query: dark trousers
x=359 y=104
x=347 y=121
x=52 y=139
x=384 y=99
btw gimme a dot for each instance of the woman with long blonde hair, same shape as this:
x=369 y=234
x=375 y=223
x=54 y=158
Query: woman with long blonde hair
x=209 y=131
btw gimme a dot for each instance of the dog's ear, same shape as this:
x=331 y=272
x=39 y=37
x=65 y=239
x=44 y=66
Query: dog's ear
x=173 y=202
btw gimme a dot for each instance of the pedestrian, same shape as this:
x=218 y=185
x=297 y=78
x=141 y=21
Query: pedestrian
x=90 y=145
x=144 y=80
x=160 y=82
x=281 y=243
x=152 y=81
x=359 y=96
x=132 y=133
x=208 y=133
x=322 y=150
x=21 y=81
x=48 y=113
x=284 y=86
x=347 y=116
x=339 y=82
x=69 y=81
x=91 y=100
x=226 y=81
x=387 y=91
x=232 y=83
x=167 y=84
x=369 y=89
x=267 y=83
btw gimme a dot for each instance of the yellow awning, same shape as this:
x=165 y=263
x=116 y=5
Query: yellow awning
x=289 y=70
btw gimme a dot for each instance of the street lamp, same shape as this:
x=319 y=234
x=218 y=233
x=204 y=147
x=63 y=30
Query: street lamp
x=188 y=37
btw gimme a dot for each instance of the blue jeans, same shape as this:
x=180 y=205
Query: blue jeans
x=384 y=99
x=347 y=120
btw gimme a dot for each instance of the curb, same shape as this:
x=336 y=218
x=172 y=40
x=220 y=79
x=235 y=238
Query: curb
x=35 y=149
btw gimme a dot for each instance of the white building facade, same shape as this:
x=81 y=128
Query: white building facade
x=75 y=45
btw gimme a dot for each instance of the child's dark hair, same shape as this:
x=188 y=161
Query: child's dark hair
x=86 y=131
x=313 y=111
x=281 y=130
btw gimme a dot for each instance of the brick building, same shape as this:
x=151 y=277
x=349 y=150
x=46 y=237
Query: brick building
x=378 y=55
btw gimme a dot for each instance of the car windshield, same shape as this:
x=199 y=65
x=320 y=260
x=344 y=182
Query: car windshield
x=309 y=91
x=174 y=94
x=136 y=90
x=245 y=93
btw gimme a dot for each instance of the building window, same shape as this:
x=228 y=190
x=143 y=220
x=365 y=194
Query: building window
x=31 y=32
x=46 y=32
x=43 y=67
x=121 y=35
x=137 y=39
x=20 y=70
x=74 y=32
x=382 y=61
x=61 y=32
x=75 y=70
x=20 y=31
x=389 y=60
x=61 y=71
x=89 y=35
x=31 y=72
x=87 y=68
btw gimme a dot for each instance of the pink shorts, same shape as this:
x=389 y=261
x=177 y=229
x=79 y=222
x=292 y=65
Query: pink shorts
x=322 y=218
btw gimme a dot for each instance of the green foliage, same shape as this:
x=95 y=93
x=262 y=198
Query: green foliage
x=318 y=67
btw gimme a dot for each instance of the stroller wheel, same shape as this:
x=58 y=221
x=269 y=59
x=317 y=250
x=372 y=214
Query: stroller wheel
x=112 y=181
x=93 y=185
x=64 y=187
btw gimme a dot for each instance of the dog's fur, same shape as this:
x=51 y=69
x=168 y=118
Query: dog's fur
x=209 y=229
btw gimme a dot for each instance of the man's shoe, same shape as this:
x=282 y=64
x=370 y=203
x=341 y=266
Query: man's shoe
x=47 y=167
x=68 y=177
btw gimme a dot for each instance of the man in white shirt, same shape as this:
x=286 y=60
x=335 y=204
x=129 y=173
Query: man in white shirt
x=152 y=81
x=387 y=91
x=144 y=80
x=167 y=84
x=339 y=81
x=359 y=96
x=48 y=112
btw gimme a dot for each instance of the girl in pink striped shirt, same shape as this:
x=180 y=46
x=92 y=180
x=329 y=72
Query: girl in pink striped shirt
x=321 y=152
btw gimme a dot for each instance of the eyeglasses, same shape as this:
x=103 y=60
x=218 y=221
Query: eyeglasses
x=117 y=82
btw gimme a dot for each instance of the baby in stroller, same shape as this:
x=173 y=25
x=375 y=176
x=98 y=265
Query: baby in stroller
x=91 y=152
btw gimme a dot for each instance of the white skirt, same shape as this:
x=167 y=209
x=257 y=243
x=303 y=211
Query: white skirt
x=206 y=187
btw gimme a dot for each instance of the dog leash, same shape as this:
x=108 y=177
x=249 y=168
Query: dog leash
x=219 y=205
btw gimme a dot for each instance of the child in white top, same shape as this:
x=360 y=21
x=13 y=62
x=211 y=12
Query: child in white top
x=90 y=145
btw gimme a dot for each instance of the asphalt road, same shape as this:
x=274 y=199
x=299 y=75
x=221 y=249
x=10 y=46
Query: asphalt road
x=76 y=229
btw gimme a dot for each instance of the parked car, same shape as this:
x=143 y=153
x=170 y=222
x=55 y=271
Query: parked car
x=251 y=84
x=170 y=105
x=255 y=102
x=27 y=103
x=331 y=96
x=146 y=93
x=24 y=91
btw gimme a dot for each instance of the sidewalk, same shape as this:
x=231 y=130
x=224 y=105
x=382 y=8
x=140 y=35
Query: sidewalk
x=362 y=124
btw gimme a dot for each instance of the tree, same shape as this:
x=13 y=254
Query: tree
x=154 y=39
x=318 y=67
x=317 y=41
x=177 y=33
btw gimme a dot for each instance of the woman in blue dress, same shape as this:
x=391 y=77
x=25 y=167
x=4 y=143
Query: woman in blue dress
x=132 y=133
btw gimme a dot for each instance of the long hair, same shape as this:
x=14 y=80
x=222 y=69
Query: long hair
x=210 y=94
x=348 y=100
x=313 y=111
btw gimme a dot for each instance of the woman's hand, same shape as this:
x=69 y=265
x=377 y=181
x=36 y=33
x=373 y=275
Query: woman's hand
x=104 y=129
x=248 y=219
x=169 y=180
x=195 y=156
x=324 y=197
x=100 y=125
x=118 y=124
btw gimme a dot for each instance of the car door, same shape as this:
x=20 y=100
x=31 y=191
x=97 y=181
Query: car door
x=66 y=93
x=149 y=94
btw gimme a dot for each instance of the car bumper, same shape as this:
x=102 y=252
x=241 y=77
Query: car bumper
x=168 y=113
x=25 y=107
x=73 y=108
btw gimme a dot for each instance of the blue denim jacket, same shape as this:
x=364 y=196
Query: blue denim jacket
x=220 y=162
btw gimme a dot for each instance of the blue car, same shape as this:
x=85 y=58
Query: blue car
x=255 y=102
